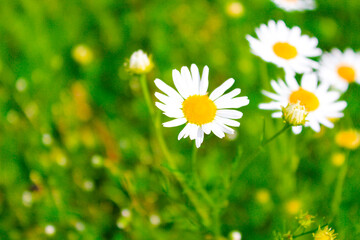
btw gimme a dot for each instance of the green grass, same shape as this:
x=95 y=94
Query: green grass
x=99 y=110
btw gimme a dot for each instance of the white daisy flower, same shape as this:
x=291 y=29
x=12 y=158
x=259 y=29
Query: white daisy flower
x=320 y=103
x=285 y=47
x=191 y=104
x=339 y=69
x=295 y=5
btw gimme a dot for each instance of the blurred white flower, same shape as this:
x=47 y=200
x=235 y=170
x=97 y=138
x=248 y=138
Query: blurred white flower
x=46 y=139
x=155 y=219
x=139 y=63
x=88 y=185
x=295 y=5
x=235 y=9
x=235 y=235
x=80 y=226
x=340 y=69
x=126 y=213
x=21 y=84
x=27 y=198
x=97 y=161
x=50 y=230
x=285 y=47
x=320 y=103
x=192 y=105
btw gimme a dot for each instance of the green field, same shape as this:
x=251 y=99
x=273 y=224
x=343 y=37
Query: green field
x=82 y=157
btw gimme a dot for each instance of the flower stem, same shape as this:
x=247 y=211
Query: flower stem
x=236 y=171
x=200 y=210
x=198 y=184
x=146 y=93
x=335 y=205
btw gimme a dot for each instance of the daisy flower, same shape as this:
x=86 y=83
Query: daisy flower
x=339 y=69
x=295 y=5
x=320 y=103
x=191 y=104
x=285 y=47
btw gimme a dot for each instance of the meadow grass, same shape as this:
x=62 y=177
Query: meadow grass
x=83 y=154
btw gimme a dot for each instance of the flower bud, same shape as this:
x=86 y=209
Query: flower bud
x=139 y=63
x=294 y=114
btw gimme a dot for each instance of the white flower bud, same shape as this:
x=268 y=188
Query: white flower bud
x=140 y=63
x=294 y=114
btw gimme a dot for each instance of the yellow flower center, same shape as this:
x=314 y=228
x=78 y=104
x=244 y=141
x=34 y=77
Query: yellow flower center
x=306 y=98
x=285 y=50
x=347 y=73
x=199 y=109
x=348 y=139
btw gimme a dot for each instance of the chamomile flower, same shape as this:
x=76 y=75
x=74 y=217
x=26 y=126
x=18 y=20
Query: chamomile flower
x=340 y=69
x=320 y=103
x=192 y=105
x=295 y=5
x=285 y=47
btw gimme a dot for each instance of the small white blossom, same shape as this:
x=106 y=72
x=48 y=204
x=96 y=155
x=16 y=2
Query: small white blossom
x=139 y=63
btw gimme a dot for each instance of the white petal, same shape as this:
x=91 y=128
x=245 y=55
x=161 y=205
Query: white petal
x=180 y=83
x=290 y=80
x=227 y=121
x=216 y=129
x=270 y=106
x=170 y=111
x=168 y=100
x=326 y=122
x=273 y=96
x=224 y=128
x=221 y=89
x=204 y=84
x=200 y=137
x=309 y=81
x=185 y=73
x=175 y=122
x=195 y=77
x=229 y=95
x=234 y=114
x=314 y=125
x=206 y=128
x=276 y=115
x=184 y=132
x=297 y=129
x=232 y=103
x=193 y=131
x=168 y=90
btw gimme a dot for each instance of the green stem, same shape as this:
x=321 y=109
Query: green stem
x=236 y=172
x=146 y=93
x=199 y=187
x=201 y=211
x=217 y=229
x=335 y=205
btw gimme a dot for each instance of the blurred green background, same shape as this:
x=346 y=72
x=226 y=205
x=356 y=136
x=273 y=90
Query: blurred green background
x=77 y=149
